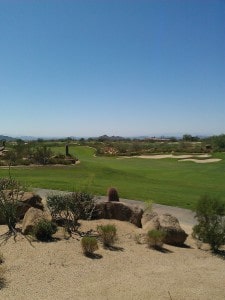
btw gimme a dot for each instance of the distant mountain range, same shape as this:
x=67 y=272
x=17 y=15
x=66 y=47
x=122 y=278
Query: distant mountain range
x=6 y=138
x=103 y=137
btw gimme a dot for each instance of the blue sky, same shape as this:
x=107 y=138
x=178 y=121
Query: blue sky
x=116 y=67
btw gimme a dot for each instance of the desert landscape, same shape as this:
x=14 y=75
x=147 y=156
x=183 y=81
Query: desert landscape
x=129 y=270
x=112 y=150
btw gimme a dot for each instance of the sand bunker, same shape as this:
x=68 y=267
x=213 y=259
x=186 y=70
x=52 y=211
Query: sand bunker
x=160 y=156
x=202 y=161
x=182 y=157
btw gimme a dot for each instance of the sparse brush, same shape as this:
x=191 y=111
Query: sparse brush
x=10 y=194
x=107 y=234
x=155 y=238
x=89 y=245
x=113 y=194
x=71 y=207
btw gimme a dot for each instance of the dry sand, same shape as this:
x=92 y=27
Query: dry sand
x=183 y=157
x=202 y=161
x=59 y=270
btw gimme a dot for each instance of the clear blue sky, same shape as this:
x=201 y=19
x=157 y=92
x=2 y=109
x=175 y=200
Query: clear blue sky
x=116 y=67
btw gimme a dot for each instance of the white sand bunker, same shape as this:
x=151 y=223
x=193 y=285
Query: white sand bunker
x=183 y=157
x=202 y=161
x=160 y=156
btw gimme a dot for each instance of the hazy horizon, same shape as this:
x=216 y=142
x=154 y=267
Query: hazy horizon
x=123 y=68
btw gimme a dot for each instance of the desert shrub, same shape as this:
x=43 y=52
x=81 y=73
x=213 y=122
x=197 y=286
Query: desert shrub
x=113 y=194
x=89 y=245
x=44 y=230
x=155 y=238
x=107 y=234
x=211 y=223
x=71 y=207
x=10 y=193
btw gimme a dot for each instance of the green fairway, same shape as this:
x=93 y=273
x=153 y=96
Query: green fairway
x=164 y=181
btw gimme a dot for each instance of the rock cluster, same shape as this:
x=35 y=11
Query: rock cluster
x=119 y=211
x=175 y=235
x=31 y=210
x=25 y=200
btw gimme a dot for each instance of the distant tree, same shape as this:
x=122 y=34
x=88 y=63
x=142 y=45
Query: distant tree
x=42 y=155
x=219 y=141
x=190 y=138
x=187 y=137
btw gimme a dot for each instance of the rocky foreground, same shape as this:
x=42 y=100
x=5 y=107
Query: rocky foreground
x=129 y=270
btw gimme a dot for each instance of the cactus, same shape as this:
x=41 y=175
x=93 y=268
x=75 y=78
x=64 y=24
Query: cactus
x=67 y=150
x=113 y=194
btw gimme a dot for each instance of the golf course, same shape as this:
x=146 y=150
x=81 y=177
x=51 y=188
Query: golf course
x=169 y=181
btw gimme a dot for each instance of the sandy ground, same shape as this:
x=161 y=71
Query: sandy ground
x=59 y=270
x=200 y=161
x=181 y=158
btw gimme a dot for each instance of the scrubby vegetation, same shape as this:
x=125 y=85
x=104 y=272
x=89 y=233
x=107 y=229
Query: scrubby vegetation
x=67 y=209
x=16 y=152
x=155 y=238
x=44 y=230
x=210 y=214
x=10 y=193
x=28 y=153
x=89 y=245
x=108 y=234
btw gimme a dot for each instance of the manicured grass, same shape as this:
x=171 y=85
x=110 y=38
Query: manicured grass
x=165 y=181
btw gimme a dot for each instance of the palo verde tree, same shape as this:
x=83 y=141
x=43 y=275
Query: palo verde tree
x=210 y=229
x=11 y=192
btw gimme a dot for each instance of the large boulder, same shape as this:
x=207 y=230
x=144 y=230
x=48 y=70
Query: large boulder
x=147 y=216
x=26 y=201
x=118 y=211
x=175 y=235
x=150 y=221
x=31 y=218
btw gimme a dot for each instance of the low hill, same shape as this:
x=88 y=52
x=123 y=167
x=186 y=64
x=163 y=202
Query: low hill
x=6 y=138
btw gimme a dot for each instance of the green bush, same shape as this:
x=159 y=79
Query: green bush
x=107 y=234
x=211 y=223
x=155 y=238
x=44 y=230
x=89 y=245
